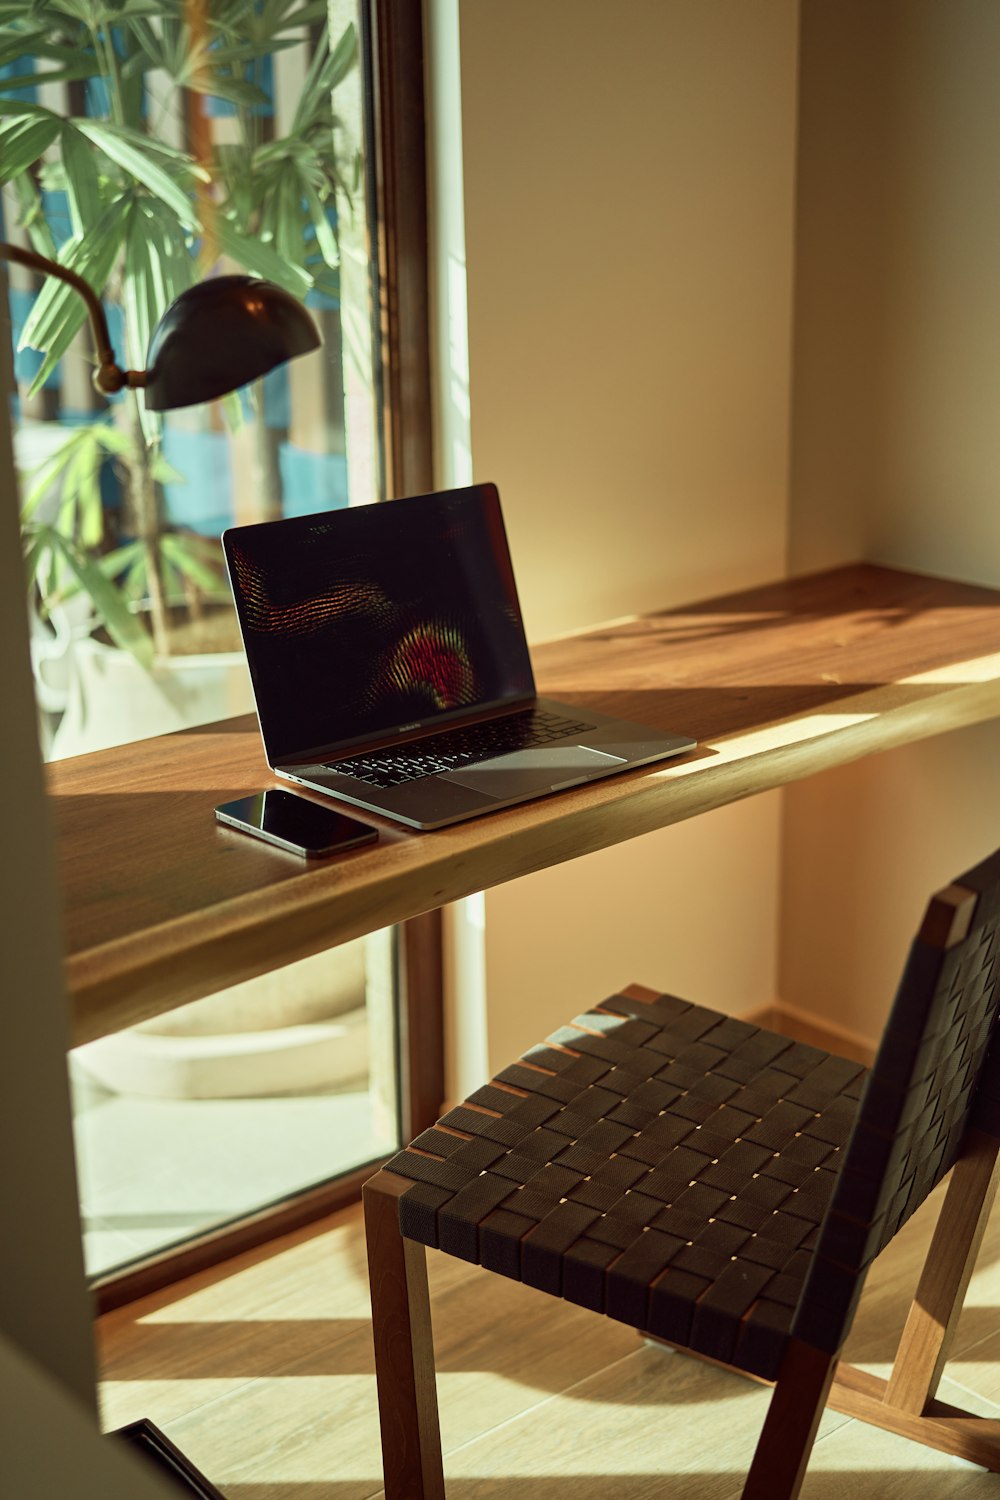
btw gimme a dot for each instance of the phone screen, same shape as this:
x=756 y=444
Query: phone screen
x=293 y=822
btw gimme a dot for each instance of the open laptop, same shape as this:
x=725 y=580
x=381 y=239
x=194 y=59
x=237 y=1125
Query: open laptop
x=390 y=666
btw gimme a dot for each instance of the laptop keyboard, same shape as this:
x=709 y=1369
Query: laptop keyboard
x=459 y=747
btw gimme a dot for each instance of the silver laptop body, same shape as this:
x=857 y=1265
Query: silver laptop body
x=390 y=666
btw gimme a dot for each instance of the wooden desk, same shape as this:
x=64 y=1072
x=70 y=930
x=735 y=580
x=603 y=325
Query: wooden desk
x=163 y=906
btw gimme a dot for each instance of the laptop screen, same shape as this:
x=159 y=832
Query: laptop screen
x=360 y=622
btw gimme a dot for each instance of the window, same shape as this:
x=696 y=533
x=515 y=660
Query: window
x=281 y=138
x=147 y=152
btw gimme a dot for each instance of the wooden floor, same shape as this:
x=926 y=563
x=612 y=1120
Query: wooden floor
x=262 y=1372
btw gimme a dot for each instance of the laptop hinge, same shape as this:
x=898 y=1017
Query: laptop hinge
x=406 y=734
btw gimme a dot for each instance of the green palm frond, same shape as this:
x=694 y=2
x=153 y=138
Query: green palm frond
x=142 y=214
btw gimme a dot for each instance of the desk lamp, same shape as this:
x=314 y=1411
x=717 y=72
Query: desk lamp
x=212 y=339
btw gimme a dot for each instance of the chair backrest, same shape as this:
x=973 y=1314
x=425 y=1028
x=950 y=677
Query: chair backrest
x=934 y=1075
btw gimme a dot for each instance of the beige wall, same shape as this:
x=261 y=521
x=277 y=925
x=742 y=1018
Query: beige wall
x=896 y=452
x=897 y=354
x=628 y=223
x=691 y=909
x=633 y=204
x=628 y=186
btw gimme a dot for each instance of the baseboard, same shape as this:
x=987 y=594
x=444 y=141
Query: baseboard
x=796 y=1024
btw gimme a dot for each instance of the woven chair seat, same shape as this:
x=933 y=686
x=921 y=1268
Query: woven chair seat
x=723 y=1188
x=695 y=1152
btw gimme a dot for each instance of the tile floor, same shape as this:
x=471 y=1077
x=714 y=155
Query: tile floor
x=262 y=1372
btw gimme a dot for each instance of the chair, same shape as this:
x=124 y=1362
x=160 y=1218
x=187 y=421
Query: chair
x=722 y=1188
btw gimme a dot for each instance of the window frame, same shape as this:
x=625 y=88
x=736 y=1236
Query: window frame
x=392 y=53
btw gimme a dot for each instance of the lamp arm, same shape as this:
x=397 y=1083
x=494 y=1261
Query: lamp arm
x=109 y=377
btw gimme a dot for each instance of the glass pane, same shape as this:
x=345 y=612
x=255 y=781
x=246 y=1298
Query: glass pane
x=219 y=1108
x=150 y=152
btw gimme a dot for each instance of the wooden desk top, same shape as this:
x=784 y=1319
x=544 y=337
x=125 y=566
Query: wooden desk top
x=163 y=906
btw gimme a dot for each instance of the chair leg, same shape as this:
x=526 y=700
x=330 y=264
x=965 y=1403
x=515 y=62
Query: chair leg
x=404 y=1349
x=786 y=1439
x=930 y=1325
x=907 y=1402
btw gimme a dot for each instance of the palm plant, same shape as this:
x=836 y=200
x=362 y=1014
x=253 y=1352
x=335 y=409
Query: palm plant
x=154 y=203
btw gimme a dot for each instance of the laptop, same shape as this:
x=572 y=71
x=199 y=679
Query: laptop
x=390 y=667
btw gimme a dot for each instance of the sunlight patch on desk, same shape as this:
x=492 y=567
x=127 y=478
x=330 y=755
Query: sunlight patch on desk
x=759 y=741
x=809 y=727
x=978 y=669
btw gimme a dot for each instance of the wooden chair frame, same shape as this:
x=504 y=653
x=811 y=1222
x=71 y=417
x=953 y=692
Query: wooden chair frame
x=923 y=1081
x=810 y=1379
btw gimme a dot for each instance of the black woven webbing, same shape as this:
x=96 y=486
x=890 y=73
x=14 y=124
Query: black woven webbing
x=659 y=1162
x=934 y=1074
x=673 y=1167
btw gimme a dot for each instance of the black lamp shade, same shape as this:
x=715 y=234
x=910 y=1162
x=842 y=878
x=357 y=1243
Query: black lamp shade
x=221 y=334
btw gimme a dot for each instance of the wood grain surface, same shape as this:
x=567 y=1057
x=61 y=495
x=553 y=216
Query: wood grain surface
x=162 y=905
x=262 y=1372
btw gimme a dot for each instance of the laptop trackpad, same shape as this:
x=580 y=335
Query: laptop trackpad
x=547 y=768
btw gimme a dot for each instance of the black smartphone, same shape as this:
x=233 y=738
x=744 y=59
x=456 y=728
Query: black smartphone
x=296 y=824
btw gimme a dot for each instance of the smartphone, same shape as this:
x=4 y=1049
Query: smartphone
x=294 y=823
